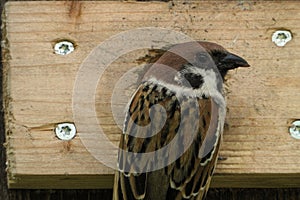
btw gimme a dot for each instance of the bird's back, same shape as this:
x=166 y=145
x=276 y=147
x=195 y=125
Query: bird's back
x=167 y=151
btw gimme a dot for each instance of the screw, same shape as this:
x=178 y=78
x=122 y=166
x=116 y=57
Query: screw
x=281 y=37
x=295 y=129
x=64 y=47
x=65 y=131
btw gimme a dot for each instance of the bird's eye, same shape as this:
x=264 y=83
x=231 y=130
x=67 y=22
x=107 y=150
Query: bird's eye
x=202 y=57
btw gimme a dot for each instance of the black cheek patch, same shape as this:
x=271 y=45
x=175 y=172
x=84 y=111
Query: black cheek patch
x=195 y=80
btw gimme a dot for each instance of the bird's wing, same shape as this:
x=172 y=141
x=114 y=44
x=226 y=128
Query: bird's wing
x=148 y=143
x=145 y=131
x=190 y=175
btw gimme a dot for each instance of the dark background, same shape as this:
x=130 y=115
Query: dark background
x=214 y=193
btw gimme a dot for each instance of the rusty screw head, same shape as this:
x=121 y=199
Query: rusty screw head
x=65 y=131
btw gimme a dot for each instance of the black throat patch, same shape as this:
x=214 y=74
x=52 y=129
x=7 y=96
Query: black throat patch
x=195 y=80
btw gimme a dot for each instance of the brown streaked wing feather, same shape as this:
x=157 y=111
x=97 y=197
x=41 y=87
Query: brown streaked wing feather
x=191 y=175
x=138 y=117
x=186 y=173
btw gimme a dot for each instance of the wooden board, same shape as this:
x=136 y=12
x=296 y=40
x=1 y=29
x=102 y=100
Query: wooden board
x=39 y=87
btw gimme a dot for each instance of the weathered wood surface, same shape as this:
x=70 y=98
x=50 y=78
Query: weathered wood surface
x=38 y=87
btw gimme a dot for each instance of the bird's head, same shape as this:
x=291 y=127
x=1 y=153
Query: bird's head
x=222 y=59
x=194 y=64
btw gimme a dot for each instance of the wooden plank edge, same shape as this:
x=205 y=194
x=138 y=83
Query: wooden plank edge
x=272 y=180
x=61 y=181
x=8 y=116
x=106 y=181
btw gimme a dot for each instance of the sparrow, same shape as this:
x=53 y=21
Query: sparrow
x=173 y=126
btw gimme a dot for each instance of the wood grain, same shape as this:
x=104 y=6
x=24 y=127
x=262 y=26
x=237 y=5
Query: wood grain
x=38 y=86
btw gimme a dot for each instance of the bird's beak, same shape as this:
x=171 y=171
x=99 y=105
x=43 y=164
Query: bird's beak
x=235 y=60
